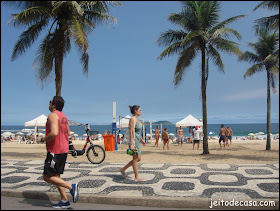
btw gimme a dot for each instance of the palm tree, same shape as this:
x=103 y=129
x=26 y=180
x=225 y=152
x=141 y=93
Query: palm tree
x=64 y=21
x=201 y=32
x=267 y=23
x=265 y=58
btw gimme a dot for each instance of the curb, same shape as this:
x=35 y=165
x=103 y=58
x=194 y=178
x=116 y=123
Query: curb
x=167 y=202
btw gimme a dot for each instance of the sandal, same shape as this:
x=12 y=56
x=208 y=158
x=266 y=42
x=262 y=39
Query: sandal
x=123 y=174
x=140 y=180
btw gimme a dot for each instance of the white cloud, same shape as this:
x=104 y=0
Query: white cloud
x=246 y=95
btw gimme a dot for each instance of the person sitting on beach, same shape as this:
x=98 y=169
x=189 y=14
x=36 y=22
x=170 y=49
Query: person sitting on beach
x=165 y=138
x=157 y=135
x=222 y=135
x=105 y=133
x=180 y=136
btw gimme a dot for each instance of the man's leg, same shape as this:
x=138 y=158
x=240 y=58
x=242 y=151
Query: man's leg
x=60 y=183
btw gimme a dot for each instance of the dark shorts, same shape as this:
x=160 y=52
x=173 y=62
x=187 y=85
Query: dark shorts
x=222 y=138
x=229 y=137
x=196 y=141
x=55 y=163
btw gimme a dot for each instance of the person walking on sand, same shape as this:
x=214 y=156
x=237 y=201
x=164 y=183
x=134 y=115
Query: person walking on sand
x=230 y=134
x=222 y=135
x=135 y=128
x=57 y=145
x=157 y=133
x=165 y=138
x=227 y=135
x=196 y=136
x=180 y=136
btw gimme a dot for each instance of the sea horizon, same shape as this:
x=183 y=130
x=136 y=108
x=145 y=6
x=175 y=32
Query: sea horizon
x=242 y=129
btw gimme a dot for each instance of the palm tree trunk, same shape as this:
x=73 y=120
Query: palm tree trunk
x=268 y=142
x=58 y=75
x=59 y=63
x=204 y=108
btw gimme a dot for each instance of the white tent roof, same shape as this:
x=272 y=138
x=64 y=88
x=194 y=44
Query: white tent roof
x=124 y=122
x=40 y=121
x=189 y=121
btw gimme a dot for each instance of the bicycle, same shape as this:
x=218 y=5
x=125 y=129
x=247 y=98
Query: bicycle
x=94 y=153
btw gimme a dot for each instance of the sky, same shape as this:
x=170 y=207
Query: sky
x=123 y=68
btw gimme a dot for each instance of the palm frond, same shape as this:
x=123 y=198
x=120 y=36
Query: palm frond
x=196 y=34
x=266 y=23
x=225 y=32
x=96 y=18
x=84 y=60
x=44 y=61
x=215 y=56
x=30 y=16
x=254 y=69
x=172 y=49
x=26 y=39
x=79 y=35
x=226 y=46
x=250 y=57
x=170 y=37
x=271 y=5
x=184 y=61
x=226 y=22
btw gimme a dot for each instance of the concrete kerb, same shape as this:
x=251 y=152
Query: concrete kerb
x=167 y=202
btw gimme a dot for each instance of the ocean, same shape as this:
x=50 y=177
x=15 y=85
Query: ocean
x=238 y=129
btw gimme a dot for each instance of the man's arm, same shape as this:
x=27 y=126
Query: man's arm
x=53 y=122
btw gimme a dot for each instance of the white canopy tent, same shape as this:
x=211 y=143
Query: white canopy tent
x=189 y=121
x=40 y=121
x=123 y=122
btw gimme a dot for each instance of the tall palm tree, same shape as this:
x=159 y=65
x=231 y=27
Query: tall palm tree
x=265 y=58
x=63 y=22
x=267 y=23
x=201 y=33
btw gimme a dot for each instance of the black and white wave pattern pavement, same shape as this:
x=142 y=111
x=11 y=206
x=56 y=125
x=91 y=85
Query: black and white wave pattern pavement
x=227 y=181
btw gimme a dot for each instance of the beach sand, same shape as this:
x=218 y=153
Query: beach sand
x=239 y=152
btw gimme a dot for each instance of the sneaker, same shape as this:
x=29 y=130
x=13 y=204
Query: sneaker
x=75 y=192
x=63 y=205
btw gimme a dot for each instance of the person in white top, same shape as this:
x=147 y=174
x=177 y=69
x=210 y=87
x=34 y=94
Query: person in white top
x=196 y=136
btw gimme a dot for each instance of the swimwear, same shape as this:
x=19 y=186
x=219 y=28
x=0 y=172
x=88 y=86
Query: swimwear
x=180 y=138
x=222 y=137
x=196 y=141
x=166 y=139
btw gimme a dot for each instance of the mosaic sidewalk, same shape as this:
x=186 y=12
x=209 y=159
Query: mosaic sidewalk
x=215 y=181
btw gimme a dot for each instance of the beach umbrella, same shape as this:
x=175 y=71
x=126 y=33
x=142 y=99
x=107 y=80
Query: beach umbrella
x=251 y=134
x=19 y=133
x=171 y=134
x=8 y=133
x=75 y=134
x=71 y=132
x=85 y=134
x=211 y=133
x=260 y=133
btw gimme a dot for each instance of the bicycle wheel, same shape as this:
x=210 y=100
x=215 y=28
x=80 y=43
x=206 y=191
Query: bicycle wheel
x=96 y=154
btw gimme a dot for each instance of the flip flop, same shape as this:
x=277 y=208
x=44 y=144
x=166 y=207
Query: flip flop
x=140 y=180
x=123 y=174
